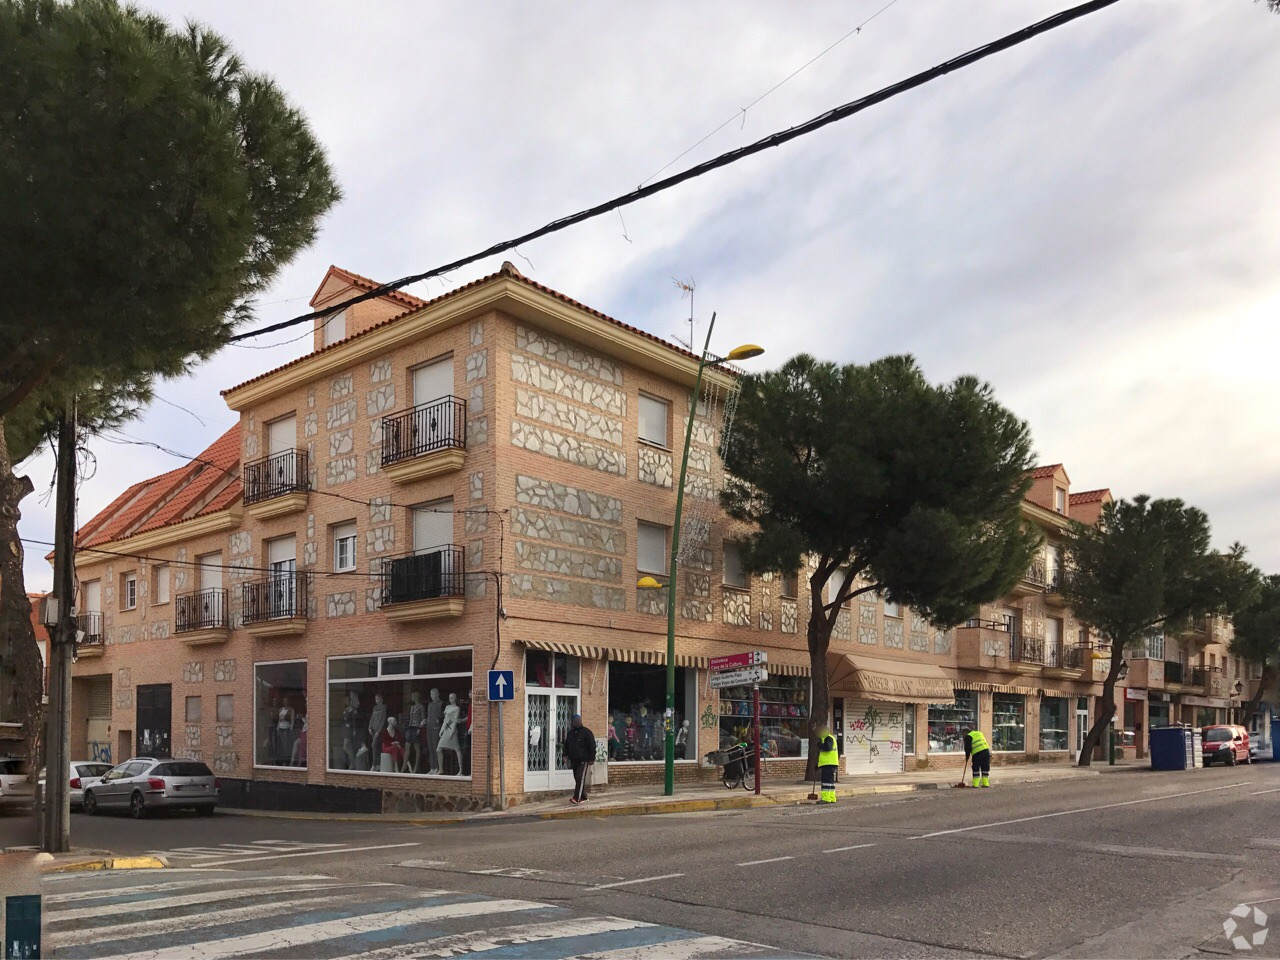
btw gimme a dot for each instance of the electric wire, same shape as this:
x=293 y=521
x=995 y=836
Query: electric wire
x=725 y=159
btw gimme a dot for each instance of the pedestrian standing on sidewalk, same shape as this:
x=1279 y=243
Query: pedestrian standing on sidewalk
x=828 y=764
x=978 y=750
x=580 y=749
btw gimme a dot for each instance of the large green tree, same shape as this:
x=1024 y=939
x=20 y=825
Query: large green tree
x=153 y=188
x=1146 y=565
x=1257 y=638
x=900 y=486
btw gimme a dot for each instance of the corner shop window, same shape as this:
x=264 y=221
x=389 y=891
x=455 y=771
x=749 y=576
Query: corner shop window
x=428 y=696
x=280 y=713
x=542 y=669
x=948 y=721
x=637 y=700
x=1053 y=723
x=784 y=716
x=1009 y=722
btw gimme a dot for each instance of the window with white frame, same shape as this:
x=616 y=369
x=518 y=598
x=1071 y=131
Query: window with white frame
x=344 y=546
x=129 y=591
x=1155 y=646
x=160 y=583
x=892 y=609
x=335 y=328
x=653 y=420
x=836 y=582
x=651 y=548
x=734 y=573
x=1059 y=500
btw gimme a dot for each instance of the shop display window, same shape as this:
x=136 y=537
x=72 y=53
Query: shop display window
x=784 y=716
x=405 y=713
x=909 y=731
x=1009 y=722
x=542 y=669
x=1053 y=723
x=280 y=714
x=637 y=701
x=948 y=722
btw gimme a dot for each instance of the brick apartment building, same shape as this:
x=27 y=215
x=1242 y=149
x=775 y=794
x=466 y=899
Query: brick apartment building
x=439 y=488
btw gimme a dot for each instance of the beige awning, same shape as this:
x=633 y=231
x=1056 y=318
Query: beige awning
x=654 y=657
x=891 y=681
x=569 y=649
x=787 y=669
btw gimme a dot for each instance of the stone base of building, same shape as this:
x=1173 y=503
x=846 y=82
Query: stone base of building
x=303 y=797
x=944 y=761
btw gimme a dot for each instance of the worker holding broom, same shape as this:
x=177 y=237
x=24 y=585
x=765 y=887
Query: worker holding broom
x=978 y=751
x=828 y=764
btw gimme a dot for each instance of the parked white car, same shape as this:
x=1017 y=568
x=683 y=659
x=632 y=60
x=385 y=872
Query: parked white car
x=81 y=774
x=16 y=790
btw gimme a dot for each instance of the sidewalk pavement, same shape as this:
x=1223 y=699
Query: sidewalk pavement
x=692 y=798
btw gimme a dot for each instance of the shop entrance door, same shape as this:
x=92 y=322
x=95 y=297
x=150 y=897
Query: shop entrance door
x=547 y=716
x=1082 y=725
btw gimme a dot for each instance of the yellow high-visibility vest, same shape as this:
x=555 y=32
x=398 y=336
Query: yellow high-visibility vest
x=977 y=741
x=828 y=758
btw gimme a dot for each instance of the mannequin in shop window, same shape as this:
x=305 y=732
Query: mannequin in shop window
x=352 y=742
x=435 y=717
x=449 y=735
x=630 y=739
x=415 y=733
x=646 y=732
x=284 y=731
x=682 y=740
x=377 y=721
x=389 y=747
x=612 y=738
x=299 y=756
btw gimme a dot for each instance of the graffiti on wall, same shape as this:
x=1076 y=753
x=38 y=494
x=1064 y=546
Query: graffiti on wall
x=99 y=751
x=874 y=741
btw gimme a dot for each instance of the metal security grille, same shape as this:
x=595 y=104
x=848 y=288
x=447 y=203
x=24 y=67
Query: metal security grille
x=566 y=707
x=539 y=735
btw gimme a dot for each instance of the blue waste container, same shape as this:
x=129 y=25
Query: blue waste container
x=1275 y=732
x=1172 y=748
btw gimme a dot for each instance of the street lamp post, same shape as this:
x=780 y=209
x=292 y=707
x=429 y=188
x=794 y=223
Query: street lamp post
x=745 y=352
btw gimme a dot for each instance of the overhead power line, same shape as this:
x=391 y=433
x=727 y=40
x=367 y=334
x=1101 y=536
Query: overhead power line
x=723 y=160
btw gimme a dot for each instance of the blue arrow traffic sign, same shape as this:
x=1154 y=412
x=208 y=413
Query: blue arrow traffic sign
x=502 y=685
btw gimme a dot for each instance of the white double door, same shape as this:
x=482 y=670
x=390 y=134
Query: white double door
x=547 y=716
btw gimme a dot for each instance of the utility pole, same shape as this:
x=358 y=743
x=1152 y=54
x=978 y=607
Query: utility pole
x=57 y=813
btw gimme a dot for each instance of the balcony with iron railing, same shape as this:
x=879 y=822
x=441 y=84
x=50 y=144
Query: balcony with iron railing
x=276 y=606
x=429 y=440
x=277 y=485
x=94 y=640
x=1174 y=674
x=202 y=617
x=1055 y=586
x=1033 y=580
x=424 y=586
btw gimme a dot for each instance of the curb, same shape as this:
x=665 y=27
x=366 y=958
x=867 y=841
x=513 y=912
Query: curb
x=109 y=863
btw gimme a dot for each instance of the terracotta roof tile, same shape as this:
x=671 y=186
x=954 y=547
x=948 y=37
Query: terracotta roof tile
x=1039 y=473
x=365 y=284
x=1090 y=496
x=507 y=271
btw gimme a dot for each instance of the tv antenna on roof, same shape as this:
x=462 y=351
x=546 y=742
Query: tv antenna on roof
x=687 y=286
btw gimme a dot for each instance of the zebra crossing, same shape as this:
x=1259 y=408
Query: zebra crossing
x=227 y=854
x=217 y=914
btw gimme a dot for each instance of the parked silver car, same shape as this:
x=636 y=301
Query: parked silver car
x=143 y=784
x=15 y=789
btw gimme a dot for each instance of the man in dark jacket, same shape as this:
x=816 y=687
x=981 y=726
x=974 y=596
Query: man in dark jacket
x=580 y=749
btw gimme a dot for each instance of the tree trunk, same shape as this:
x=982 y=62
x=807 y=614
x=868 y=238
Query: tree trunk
x=1249 y=706
x=23 y=680
x=820 y=627
x=1106 y=709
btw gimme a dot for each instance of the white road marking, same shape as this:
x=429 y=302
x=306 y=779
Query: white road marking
x=210 y=896
x=627 y=883
x=1065 y=813
x=462 y=944
x=753 y=863
x=311 y=853
x=212 y=918
x=301 y=936
x=856 y=846
x=669 y=950
x=1258 y=793
x=55 y=898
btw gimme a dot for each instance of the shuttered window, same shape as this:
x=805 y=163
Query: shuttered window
x=653 y=420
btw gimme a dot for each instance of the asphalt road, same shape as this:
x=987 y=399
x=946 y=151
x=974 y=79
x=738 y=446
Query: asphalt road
x=1127 y=864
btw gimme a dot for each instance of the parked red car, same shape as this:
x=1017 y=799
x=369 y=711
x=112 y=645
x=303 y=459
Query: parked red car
x=1225 y=743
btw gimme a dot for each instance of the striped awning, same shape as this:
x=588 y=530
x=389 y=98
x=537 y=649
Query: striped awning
x=654 y=657
x=788 y=669
x=569 y=649
x=983 y=687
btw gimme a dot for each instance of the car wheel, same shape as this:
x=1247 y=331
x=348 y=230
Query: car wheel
x=1231 y=759
x=90 y=804
x=137 y=806
x=204 y=811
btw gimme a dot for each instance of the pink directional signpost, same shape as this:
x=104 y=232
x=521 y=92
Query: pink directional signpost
x=739 y=669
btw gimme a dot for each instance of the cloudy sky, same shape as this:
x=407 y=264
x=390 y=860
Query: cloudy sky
x=1086 y=221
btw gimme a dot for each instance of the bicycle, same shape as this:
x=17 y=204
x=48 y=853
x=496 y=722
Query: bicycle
x=739 y=766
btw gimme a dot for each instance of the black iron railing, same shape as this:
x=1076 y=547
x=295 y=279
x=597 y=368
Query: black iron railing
x=90 y=624
x=1173 y=672
x=276 y=475
x=1035 y=574
x=1057 y=583
x=1203 y=676
x=1026 y=649
x=203 y=610
x=279 y=597
x=1076 y=657
x=423 y=576
x=438 y=425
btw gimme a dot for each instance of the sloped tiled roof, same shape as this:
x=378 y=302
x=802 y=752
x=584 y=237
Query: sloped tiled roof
x=507 y=271
x=1090 y=496
x=172 y=497
x=365 y=284
x=1040 y=473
